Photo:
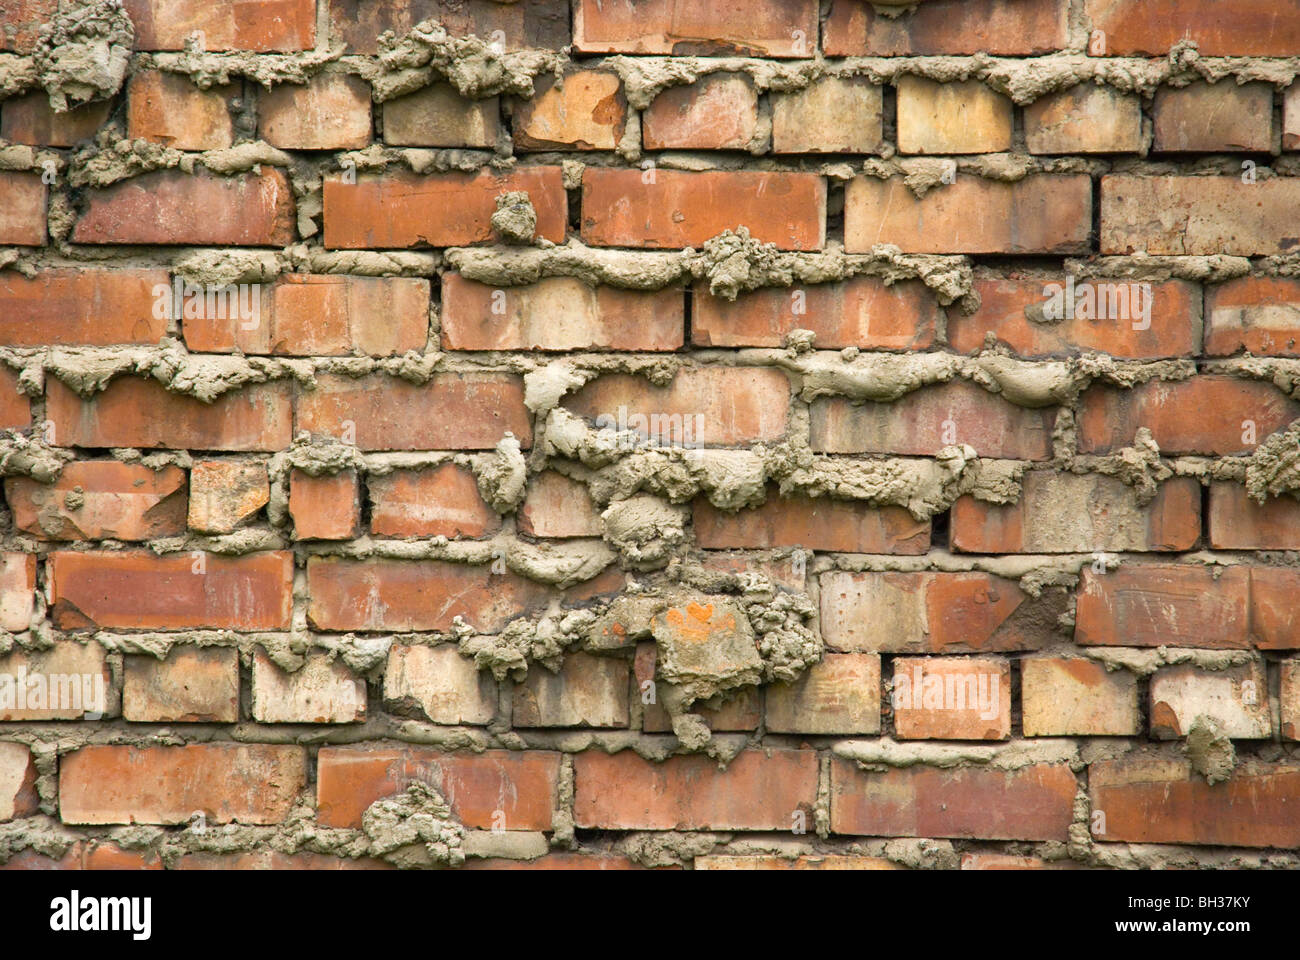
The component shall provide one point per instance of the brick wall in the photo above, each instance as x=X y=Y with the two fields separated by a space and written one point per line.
x=770 y=434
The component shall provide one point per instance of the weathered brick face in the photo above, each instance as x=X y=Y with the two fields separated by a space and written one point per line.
x=835 y=434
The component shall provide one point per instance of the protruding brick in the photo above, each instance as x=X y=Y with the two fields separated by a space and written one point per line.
x=22 y=219
x=225 y=494
x=559 y=313
x=759 y=790
x=588 y=691
x=30 y=119
x=1289 y=698
x=962 y=117
x=1073 y=513
x=168 y=108
x=329 y=112
x=438 y=116
x=257 y=25
x=1087 y=118
x=83 y=307
x=587 y=111
x=227 y=782
x=1236 y=697
x=193 y=685
x=100 y=500
x=676 y=208
x=761 y=28
x=855 y=28
x=1219 y=28
x=838 y=695
x=327 y=507
x=1238 y=522
x=819 y=523
x=556 y=506
x=1203 y=117
x=321 y=691
x=68 y=681
x=18 y=796
x=17 y=590
x=1258 y=314
x=1291 y=118
x=1164 y=604
x=830 y=115
x=952 y=698
x=717 y=112
x=1073 y=697
x=445 y=686
x=1274 y=617
x=441 y=501
x=1039 y=214
x=138 y=590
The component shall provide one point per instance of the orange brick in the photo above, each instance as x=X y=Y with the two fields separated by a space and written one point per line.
x=15 y=407
x=586 y=111
x=442 y=685
x=1040 y=214
x=440 y=210
x=138 y=590
x=1235 y=697
x=31 y=119
x=1274 y=618
x=438 y=116
x=1107 y=316
x=559 y=313
x=1219 y=28
x=1069 y=513
x=862 y=312
x=1035 y=802
x=22 y=220
x=68 y=681
x=759 y=790
x=83 y=307
x=168 y=108
x=952 y=698
x=840 y=694
x=193 y=685
x=17 y=589
x=588 y=691
x=556 y=506
x=133 y=412
x=925 y=421
x=717 y=112
x=814 y=524
x=101 y=500
x=708 y=406
x=329 y=112
x=675 y=208
x=855 y=28
x=441 y=501
x=244 y=783
x=1073 y=697
x=1236 y=522
x=259 y=25
x=1259 y=314
x=327 y=507
x=1198 y=215
x=321 y=691
x=225 y=494
x=763 y=28
x=1201 y=117
x=518 y=25
x=830 y=115
x=18 y=796
x=386 y=413
x=965 y=117
x=1159 y=604
x=1232 y=416
x=1087 y=118
x=500 y=789
x=21 y=20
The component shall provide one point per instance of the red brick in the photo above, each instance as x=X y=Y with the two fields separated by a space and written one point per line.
x=587 y=111
x=168 y=108
x=17 y=589
x=202 y=208
x=1205 y=118
x=225 y=494
x=517 y=25
x=763 y=28
x=440 y=684
x=1215 y=415
x=101 y=500
x=30 y=119
x=759 y=790
x=131 y=412
x=244 y=783
x=1237 y=522
x=138 y=590
x=588 y=691
x=830 y=115
x=496 y=788
x=717 y=112
x=740 y=710
x=1087 y=118
x=1107 y=318
x=556 y=506
x=1236 y=698
x=1073 y=697
x=1219 y=28
x=438 y=116
x=327 y=507
x=22 y=220
x=559 y=313
x=320 y=691
x=1035 y=802
x=675 y=208
x=838 y=695
x=1069 y=513
x=475 y=410
x=439 y=210
x=193 y=685
x=330 y=112
x=713 y=406
x=862 y=312
x=15 y=407
x=1258 y=314
x=1040 y=214
x=21 y=20
x=952 y=698
x=925 y=612
x=812 y=523
x=1198 y=215
x=441 y=501
x=18 y=796
x=956 y=117
x=67 y=681
x=1158 y=604
x=90 y=307
x=855 y=28
x=1155 y=798
x=260 y=25
x=925 y=421
x=1274 y=617
x=415 y=595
